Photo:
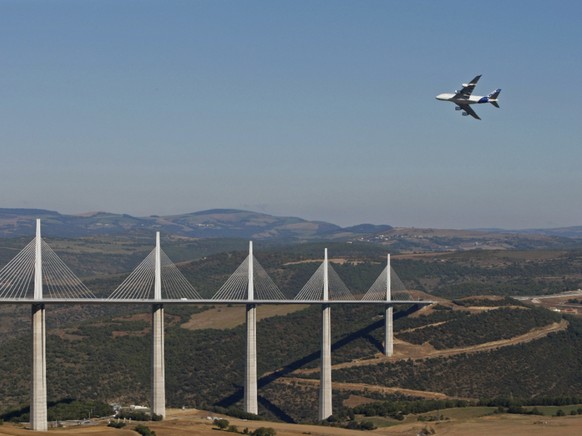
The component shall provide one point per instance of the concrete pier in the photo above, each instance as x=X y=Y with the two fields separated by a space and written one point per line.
x=389 y=332
x=158 y=366
x=250 y=400
x=250 y=388
x=38 y=406
x=158 y=402
x=325 y=403
x=388 y=315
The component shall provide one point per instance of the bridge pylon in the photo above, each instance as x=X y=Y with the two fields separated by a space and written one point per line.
x=388 y=316
x=325 y=391
x=381 y=290
x=158 y=406
x=325 y=285
x=250 y=388
x=248 y=283
x=38 y=405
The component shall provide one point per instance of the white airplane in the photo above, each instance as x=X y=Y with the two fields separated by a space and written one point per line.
x=463 y=98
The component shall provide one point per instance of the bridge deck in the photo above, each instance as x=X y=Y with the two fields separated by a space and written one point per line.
x=203 y=301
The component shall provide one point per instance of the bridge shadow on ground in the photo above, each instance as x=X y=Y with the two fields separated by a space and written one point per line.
x=365 y=333
x=24 y=412
x=275 y=410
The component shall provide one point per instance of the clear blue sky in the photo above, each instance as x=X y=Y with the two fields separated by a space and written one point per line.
x=318 y=109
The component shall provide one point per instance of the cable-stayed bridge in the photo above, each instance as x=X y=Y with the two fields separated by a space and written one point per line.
x=37 y=276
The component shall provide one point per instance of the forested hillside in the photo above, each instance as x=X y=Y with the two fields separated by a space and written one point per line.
x=547 y=367
x=108 y=359
x=102 y=352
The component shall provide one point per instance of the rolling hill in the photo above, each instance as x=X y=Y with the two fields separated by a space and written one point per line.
x=216 y=223
x=240 y=224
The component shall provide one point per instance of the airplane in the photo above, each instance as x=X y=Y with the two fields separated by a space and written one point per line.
x=463 y=98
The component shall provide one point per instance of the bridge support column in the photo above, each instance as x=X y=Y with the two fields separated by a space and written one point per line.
x=388 y=315
x=158 y=405
x=250 y=400
x=325 y=407
x=38 y=407
x=389 y=332
x=158 y=366
x=325 y=403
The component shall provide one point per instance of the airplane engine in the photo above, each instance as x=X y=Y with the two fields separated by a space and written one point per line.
x=465 y=114
x=458 y=108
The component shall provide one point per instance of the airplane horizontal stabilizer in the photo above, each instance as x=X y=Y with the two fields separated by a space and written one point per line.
x=494 y=103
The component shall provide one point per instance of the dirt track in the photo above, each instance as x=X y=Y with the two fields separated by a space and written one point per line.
x=365 y=387
x=417 y=352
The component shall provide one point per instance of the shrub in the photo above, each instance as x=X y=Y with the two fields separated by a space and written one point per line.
x=116 y=424
x=144 y=430
x=264 y=431
x=221 y=423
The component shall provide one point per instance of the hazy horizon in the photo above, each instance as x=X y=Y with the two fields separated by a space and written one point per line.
x=321 y=110
x=149 y=215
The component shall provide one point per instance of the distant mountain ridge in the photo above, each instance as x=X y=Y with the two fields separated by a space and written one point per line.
x=214 y=223
x=234 y=223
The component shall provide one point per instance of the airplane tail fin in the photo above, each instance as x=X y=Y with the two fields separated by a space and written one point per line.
x=493 y=98
x=494 y=94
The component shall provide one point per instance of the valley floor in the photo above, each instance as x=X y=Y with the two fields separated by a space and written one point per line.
x=195 y=422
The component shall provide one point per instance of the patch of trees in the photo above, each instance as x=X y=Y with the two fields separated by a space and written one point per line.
x=224 y=424
x=547 y=367
x=349 y=422
x=491 y=302
x=399 y=409
x=463 y=274
x=518 y=410
x=526 y=402
x=482 y=327
x=67 y=409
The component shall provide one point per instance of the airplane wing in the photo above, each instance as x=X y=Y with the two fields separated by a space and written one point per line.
x=469 y=110
x=468 y=87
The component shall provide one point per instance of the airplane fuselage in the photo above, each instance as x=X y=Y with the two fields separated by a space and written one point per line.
x=455 y=98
